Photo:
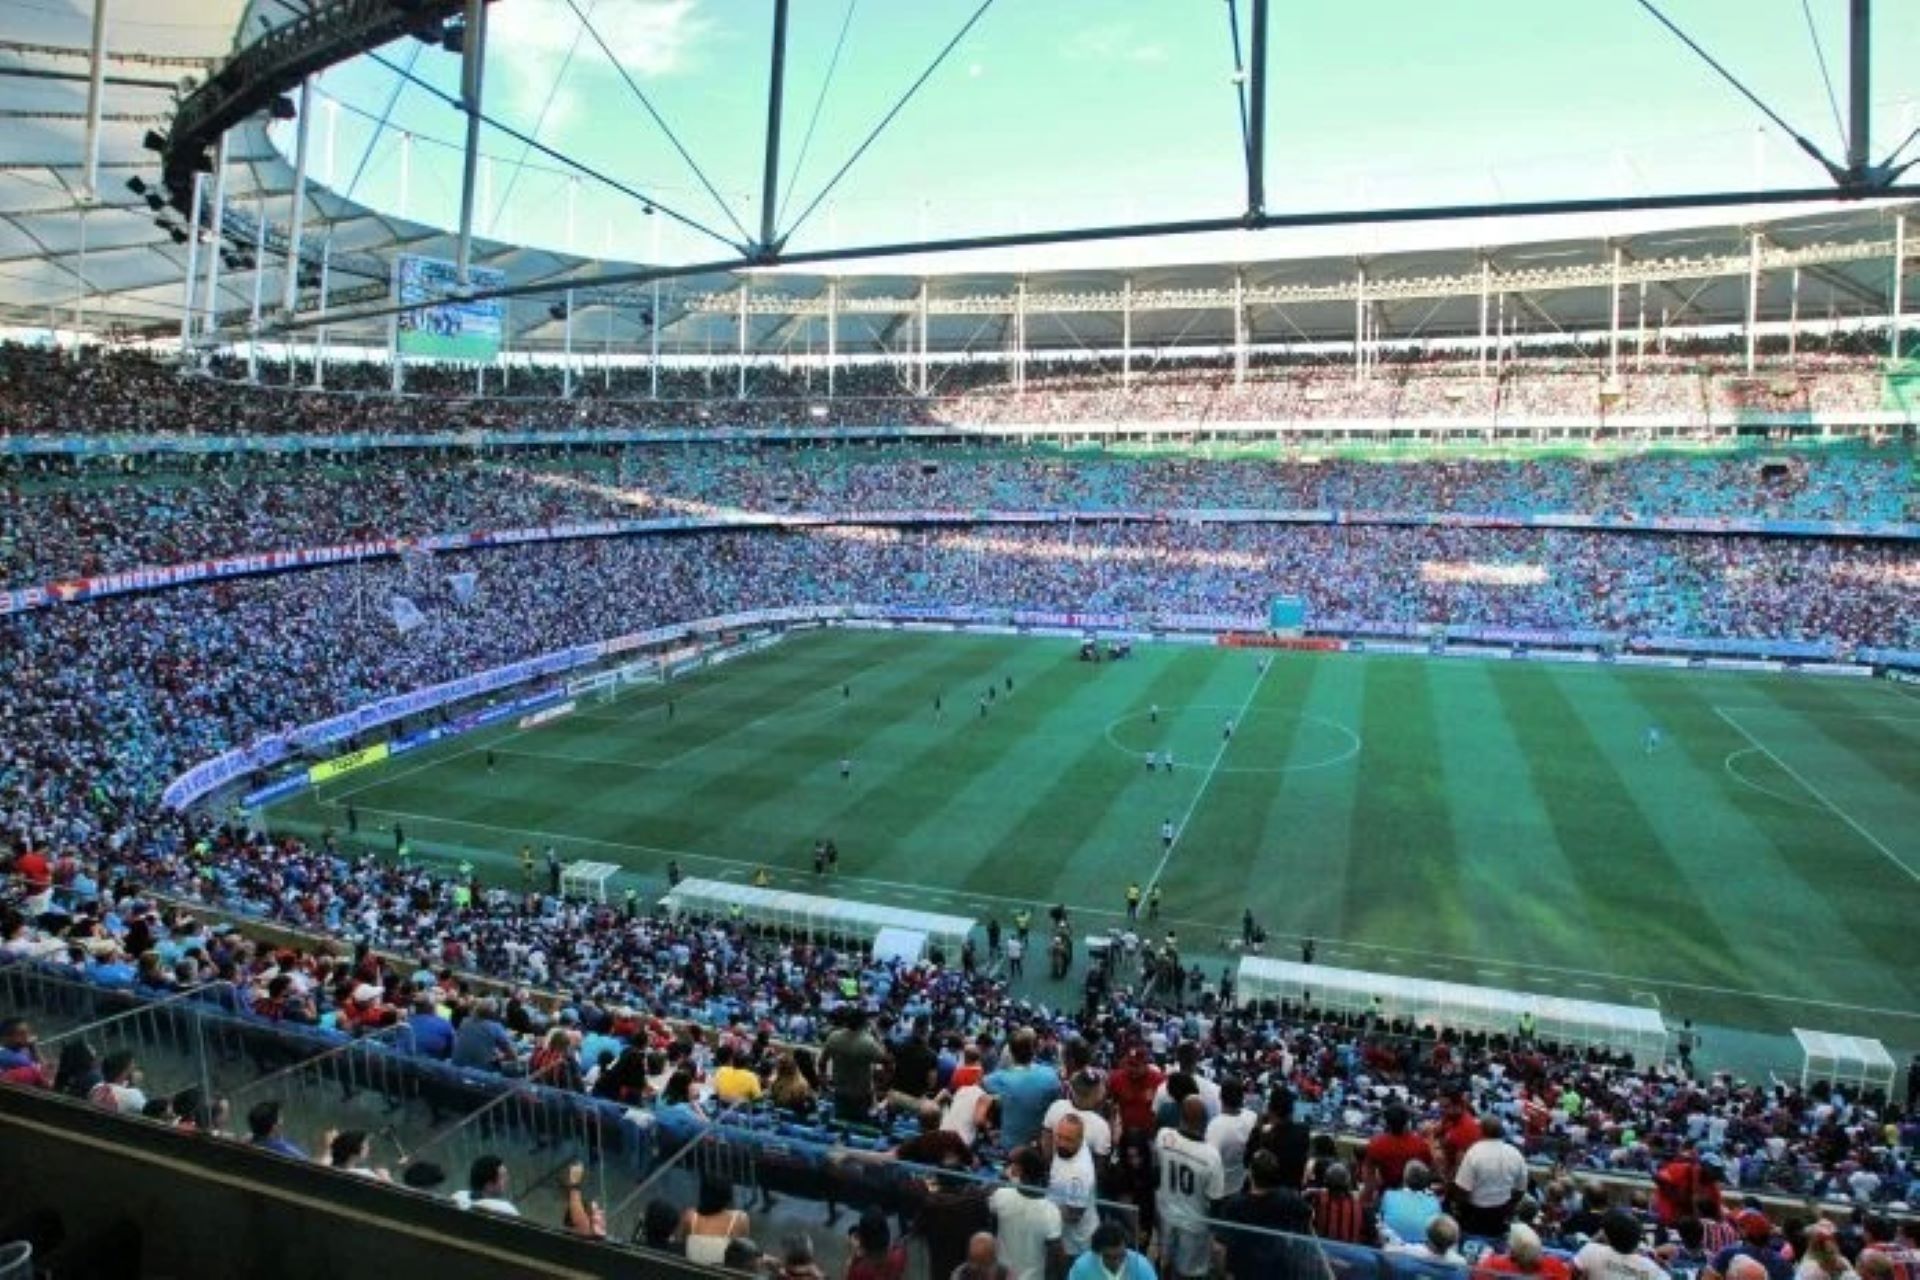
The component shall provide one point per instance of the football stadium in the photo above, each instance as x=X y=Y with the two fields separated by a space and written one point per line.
x=1007 y=641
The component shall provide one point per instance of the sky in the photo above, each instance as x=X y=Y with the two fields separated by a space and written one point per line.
x=1057 y=113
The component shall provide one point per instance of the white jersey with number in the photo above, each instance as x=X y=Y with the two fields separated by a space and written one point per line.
x=1191 y=1176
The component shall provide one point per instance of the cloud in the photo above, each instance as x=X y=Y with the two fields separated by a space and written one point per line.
x=1114 y=42
x=650 y=39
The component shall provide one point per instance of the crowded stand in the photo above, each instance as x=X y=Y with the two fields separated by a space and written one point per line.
x=45 y=391
x=1448 y=1150
x=94 y=519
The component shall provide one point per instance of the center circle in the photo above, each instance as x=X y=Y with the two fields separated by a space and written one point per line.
x=1187 y=728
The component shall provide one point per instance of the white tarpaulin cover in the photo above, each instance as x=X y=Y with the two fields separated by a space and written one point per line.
x=1634 y=1028
x=816 y=914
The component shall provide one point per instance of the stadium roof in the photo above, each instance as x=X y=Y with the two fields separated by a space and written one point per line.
x=116 y=265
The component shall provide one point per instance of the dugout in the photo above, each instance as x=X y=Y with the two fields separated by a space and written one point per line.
x=1457 y=1006
x=815 y=915
x=1854 y=1061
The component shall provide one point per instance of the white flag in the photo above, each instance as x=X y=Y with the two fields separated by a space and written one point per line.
x=463 y=585
x=406 y=614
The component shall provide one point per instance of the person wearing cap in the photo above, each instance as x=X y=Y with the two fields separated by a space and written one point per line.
x=1756 y=1242
x=1615 y=1253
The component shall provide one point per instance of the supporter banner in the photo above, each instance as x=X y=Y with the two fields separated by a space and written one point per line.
x=442 y=325
x=275 y=791
x=360 y=759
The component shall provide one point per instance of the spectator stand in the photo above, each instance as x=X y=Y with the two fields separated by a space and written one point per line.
x=587 y=880
x=1632 y=1029
x=812 y=915
x=1845 y=1060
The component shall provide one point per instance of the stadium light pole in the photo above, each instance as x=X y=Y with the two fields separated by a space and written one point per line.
x=290 y=288
x=96 y=88
x=776 y=93
x=1257 y=109
x=472 y=69
x=1859 y=87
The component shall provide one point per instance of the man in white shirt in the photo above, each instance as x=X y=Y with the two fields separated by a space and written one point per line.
x=1190 y=1180
x=1070 y=1186
x=1085 y=1094
x=1026 y=1223
x=1490 y=1181
x=1228 y=1132
x=967 y=1109
x=487 y=1188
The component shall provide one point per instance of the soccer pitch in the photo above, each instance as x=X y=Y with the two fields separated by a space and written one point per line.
x=1487 y=821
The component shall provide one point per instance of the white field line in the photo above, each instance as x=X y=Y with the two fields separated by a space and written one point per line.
x=1819 y=795
x=1226 y=741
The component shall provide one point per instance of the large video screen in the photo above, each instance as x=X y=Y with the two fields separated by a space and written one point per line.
x=447 y=327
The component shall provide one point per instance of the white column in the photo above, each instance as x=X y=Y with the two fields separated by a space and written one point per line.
x=1793 y=316
x=1486 y=282
x=1753 y=294
x=290 y=290
x=653 y=347
x=924 y=312
x=1126 y=334
x=193 y=264
x=210 y=304
x=1640 y=330
x=1613 y=320
x=566 y=361
x=1899 y=280
x=259 y=282
x=1359 y=324
x=740 y=392
x=833 y=332
x=96 y=87
x=473 y=64
x=320 y=334
x=1239 y=329
x=1020 y=338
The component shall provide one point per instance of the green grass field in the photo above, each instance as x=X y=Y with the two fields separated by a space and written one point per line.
x=1485 y=821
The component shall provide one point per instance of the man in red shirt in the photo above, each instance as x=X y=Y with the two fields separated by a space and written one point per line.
x=1132 y=1089
x=1457 y=1129
x=1683 y=1183
x=32 y=867
x=1384 y=1162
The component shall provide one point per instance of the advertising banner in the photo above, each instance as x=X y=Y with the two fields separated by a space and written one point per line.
x=360 y=759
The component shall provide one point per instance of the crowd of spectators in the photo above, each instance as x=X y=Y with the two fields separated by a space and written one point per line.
x=106 y=702
x=89 y=391
x=57 y=523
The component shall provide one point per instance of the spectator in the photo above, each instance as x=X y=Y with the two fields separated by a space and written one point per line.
x=1406 y=1210
x=1112 y=1257
x=708 y=1227
x=1491 y=1179
x=983 y=1260
x=486 y=1188
x=1027 y=1225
